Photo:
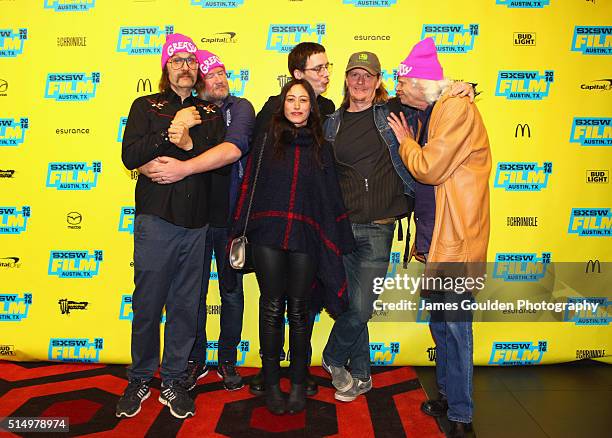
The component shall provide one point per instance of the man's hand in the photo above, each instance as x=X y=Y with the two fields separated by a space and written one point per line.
x=178 y=133
x=166 y=170
x=189 y=116
x=462 y=89
x=148 y=169
x=400 y=127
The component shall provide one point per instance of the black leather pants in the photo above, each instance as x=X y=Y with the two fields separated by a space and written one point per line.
x=284 y=277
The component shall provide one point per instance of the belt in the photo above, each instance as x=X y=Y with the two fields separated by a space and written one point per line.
x=386 y=221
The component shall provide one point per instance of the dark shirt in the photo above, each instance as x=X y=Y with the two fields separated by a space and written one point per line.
x=425 y=196
x=184 y=203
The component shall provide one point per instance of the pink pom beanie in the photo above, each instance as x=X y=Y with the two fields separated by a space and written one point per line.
x=422 y=62
x=176 y=43
x=208 y=61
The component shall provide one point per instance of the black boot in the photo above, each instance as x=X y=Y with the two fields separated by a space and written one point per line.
x=275 y=400
x=256 y=385
x=297 y=399
x=435 y=407
x=310 y=385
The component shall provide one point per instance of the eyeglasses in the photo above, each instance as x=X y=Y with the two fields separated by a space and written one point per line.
x=319 y=68
x=177 y=63
x=357 y=77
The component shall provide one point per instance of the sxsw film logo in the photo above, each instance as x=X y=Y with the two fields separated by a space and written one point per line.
x=592 y=40
x=597 y=176
x=14 y=220
x=394 y=262
x=75 y=349
x=69 y=5
x=237 y=81
x=451 y=38
x=142 y=40
x=75 y=264
x=212 y=352
x=517 y=353
x=126 y=220
x=514 y=266
x=73 y=176
x=596 y=85
x=370 y=3
x=592 y=131
x=12 y=131
x=591 y=222
x=524 y=85
x=13 y=307
x=217 y=4
x=382 y=354
x=122 y=123
x=284 y=37
x=524 y=39
x=71 y=86
x=389 y=78
x=601 y=315
x=126 y=313
x=11 y=42
x=522 y=177
x=533 y=4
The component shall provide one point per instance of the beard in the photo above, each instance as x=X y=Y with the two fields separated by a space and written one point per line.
x=216 y=94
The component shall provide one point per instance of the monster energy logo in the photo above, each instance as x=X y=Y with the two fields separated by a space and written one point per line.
x=66 y=306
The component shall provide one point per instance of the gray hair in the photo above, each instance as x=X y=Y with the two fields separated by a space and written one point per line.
x=431 y=89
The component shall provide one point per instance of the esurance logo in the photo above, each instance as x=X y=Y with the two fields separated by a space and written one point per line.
x=212 y=352
x=591 y=222
x=12 y=131
x=13 y=307
x=11 y=42
x=524 y=85
x=73 y=176
x=601 y=315
x=514 y=266
x=383 y=354
x=121 y=130
x=592 y=40
x=533 y=4
x=517 y=353
x=75 y=349
x=14 y=220
x=142 y=40
x=592 y=131
x=451 y=38
x=126 y=313
x=370 y=3
x=69 y=5
x=126 y=220
x=522 y=177
x=217 y=4
x=71 y=86
x=284 y=37
x=237 y=81
x=75 y=264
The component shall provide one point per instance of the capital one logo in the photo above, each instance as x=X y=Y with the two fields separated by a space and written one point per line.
x=592 y=40
x=451 y=38
x=284 y=37
x=12 y=41
x=14 y=220
x=70 y=5
x=12 y=131
x=71 y=86
x=142 y=40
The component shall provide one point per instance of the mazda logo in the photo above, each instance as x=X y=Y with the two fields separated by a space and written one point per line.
x=3 y=86
x=74 y=218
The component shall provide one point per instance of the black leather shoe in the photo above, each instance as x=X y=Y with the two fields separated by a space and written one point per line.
x=275 y=400
x=460 y=430
x=257 y=386
x=310 y=386
x=435 y=407
x=297 y=399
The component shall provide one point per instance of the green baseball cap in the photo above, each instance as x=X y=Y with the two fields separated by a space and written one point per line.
x=365 y=60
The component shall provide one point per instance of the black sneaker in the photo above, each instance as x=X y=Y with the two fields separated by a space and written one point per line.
x=136 y=392
x=195 y=371
x=232 y=380
x=174 y=395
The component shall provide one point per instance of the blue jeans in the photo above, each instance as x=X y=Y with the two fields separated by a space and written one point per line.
x=232 y=303
x=349 y=340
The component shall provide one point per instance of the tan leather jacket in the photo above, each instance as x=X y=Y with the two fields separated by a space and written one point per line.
x=457 y=160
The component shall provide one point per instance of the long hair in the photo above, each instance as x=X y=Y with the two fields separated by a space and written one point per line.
x=284 y=131
x=381 y=95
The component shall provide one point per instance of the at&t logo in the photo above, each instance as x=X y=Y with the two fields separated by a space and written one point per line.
x=71 y=86
x=75 y=349
x=524 y=85
x=11 y=42
x=12 y=131
x=14 y=220
x=73 y=176
x=284 y=37
x=383 y=354
x=522 y=177
x=75 y=264
x=142 y=40
x=70 y=5
x=451 y=38
x=13 y=307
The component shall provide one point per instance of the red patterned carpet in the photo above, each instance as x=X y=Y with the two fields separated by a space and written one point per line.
x=87 y=395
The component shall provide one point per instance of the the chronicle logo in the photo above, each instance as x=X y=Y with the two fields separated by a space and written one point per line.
x=524 y=39
x=7 y=173
x=143 y=85
x=14 y=220
x=122 y=123
x=522 y=177
x=370 y=3
x=75 y=349
x=75 y=264
x=10 y=262
x=71 y=86
x=70 y=5
x=592 y=40
x=524 y=85
x=237 y=81
x=598 y=85
x=13 y=307
x=383 y=354
x=592 y=131
x=590 y=222
x=597 y=176
x=142 y=40
x=522 y=221
x=66 y=305
x=513 y=266
x=12 y=131
x=3 y=87
x=517 y=353
x=600 y=313
x=72 y=41
x=220 y=37
x=74 y=219
x=73 y=176
x=217 y=4
x=212 y=352
x=451 y=38
x=12 y=41
x=532 y=4
x=284 y=37
x=126 y=220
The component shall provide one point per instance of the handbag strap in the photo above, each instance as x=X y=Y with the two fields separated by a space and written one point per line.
x=248 y=214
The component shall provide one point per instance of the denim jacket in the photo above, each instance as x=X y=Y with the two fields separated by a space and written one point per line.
x=381 y=112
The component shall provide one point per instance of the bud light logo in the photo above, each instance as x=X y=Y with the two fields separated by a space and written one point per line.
x=522 y=177
x=524 y=85
x=451 y=38
x=71 y=86
x=70 y=5
x=592 y=40
x=126 y=220
x=600 y=315
x=143 y=40
x=11 y=42
x=370 y=3
x=126 y=313
x=284 y=37
x=217 y=4
x=75 y=264
x=517 y=353
x=389 y=78
x=514 y=266
x=592 y=131
x=73 y=176
x=75 y=349
x=533 y=4
x=121 y=130
x=14 y=220
x=383 y=354
x=13 y=307
x=12 y=131
x=212 y=352
x=591 y=222
x=237 y=81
